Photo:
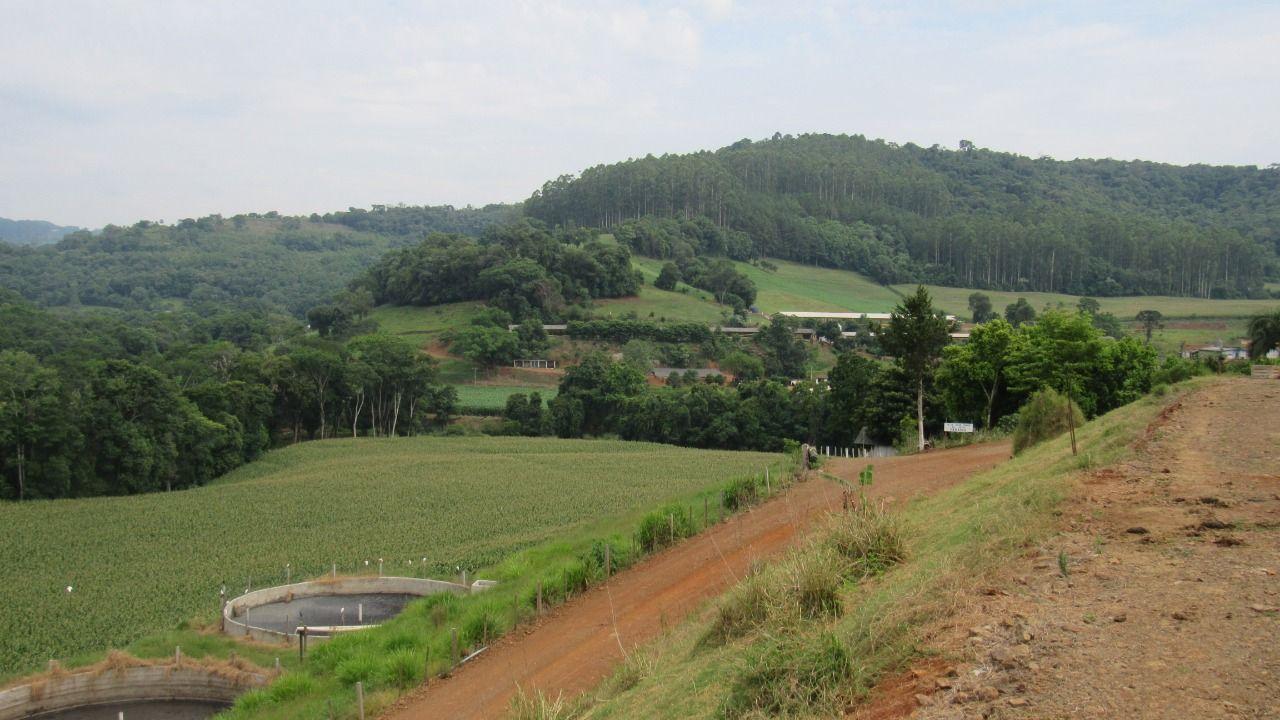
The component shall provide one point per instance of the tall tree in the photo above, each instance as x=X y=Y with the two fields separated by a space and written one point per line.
x=1264 y=334
x=1062 y=351
x=784 y=354
x=1019 y=312
x=979 y=363
x=980 y=307
x=915 y=336
x=1150 y=321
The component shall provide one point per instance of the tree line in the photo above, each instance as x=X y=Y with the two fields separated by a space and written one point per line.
x=898 y=399
x=974 y=217
x=102 y=404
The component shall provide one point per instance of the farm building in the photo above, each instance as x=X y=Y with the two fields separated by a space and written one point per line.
x=534 y=364
x=830 y=315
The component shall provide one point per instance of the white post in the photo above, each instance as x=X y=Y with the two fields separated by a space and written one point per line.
x=360 y=698
x=335 y=571
x=360 y=611
x=379 y=567
x=342 y=616
x=288 y=573
x=464 y=580
x=177 y=654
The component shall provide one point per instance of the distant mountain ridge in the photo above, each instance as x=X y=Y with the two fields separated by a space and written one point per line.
x=967 y=218
x=33 y=232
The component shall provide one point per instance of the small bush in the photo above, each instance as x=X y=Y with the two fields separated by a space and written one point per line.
x=1159 y=390
x=403 y=668
x=478 y=629
x=740 y=492
x=790 y=675
x=291 y=686
x=869 y=539
x=656 y=528
x=357 y=668
x=1007 y=423
x=1043 y=417
x=540 y=706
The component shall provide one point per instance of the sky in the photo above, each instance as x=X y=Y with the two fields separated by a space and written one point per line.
x=113 y=112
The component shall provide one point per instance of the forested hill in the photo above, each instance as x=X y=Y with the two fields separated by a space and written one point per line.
x=972 y=217
x=290 y=264
x=32 y=232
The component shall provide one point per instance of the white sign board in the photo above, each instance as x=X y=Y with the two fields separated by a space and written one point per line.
x=957 y=427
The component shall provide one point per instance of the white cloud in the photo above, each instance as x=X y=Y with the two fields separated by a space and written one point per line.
x=111 y=112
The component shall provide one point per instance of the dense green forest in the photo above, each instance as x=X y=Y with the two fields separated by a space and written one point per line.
x=98 y=402
x=290 y=263
x=519 y=267
x=971 y=218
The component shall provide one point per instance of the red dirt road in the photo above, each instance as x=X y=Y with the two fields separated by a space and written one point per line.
x=576 y=646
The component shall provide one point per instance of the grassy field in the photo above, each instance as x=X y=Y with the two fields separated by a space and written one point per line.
x=1176 y=332
x=956 y=300
x=804 y=287
x=798 y=666
x=146 y=564
x=496 y=395
x=413 y=320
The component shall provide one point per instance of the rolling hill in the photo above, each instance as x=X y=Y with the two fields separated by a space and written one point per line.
x=972 y=218
x=32 y=232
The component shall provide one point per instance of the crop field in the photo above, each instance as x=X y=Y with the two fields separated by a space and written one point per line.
x=145 y=564
x=956 y=301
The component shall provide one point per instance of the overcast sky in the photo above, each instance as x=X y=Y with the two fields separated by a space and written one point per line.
x=111 y=112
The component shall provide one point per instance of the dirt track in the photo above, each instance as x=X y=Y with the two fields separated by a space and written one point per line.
x=575 y=647
x=1171 y=608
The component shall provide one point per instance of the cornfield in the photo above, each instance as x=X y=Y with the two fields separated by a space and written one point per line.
x=83 y=575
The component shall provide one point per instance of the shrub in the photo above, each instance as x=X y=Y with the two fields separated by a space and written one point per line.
x=869 y=539
x=1043 y=417
x=1175 y=370
x=740 y=492
x=402 y=668
x=479 y=628
x=663 y=527
x=357 y=668
x=789 y=675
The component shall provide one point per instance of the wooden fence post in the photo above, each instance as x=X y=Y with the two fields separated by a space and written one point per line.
x=539 y=597
x=360 y=698
x=608 y=560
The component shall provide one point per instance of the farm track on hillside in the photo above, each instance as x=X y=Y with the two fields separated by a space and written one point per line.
x=574 y=647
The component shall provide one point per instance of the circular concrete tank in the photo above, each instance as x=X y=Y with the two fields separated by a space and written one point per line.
x=327 y=607
x=185 y=690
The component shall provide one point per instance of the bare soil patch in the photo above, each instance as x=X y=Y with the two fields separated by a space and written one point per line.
x=1170 y=607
